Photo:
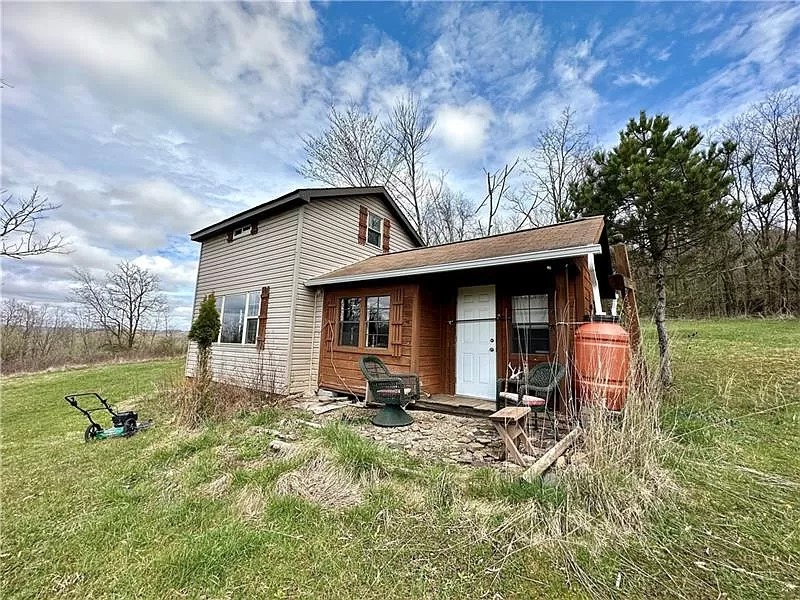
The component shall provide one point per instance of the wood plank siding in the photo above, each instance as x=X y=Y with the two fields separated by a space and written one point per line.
x=246 y=264
x=429 y=328
x=329 y=240
x=338 y=365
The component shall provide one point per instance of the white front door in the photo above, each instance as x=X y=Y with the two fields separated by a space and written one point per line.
x=476 y=334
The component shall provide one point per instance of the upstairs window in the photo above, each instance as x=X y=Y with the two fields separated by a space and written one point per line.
x=241 y=231
x=239 y=317
x=374 y=230
x=349 y=321
x=530 y=324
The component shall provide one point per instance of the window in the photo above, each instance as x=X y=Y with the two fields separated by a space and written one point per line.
x=377 y=322
x=530 y=331
x=239 y=317
x=243 y=230
x=349 y=321
x=374 y=230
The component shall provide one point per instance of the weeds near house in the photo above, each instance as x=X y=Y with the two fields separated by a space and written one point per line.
x=217 y=401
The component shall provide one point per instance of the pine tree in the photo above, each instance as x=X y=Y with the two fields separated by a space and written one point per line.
x=665 y=194
x=204 y=332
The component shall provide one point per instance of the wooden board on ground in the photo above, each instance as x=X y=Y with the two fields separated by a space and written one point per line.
x=549 y=457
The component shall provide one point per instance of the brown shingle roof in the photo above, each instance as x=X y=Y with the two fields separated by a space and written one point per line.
x=576 y=234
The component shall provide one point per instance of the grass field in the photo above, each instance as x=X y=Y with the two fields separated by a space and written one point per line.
x=171 y=513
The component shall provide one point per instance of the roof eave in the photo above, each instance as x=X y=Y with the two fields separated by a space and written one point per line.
x=252 y=213
x=537 y=256
x=306 y=195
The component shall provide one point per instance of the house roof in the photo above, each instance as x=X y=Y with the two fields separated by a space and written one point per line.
x=572 y=238
x=306 y=195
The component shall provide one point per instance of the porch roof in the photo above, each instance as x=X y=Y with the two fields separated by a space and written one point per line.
x=563 y=240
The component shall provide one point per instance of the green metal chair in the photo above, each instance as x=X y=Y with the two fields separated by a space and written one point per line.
x=392 y=390
x=539 y=391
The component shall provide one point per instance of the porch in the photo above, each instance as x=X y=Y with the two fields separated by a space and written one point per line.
x=460 y=332
x=463 y=316
x=456 y=405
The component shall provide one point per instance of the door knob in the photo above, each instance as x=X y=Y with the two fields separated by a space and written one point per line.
x=491 y=349
x=491 y=340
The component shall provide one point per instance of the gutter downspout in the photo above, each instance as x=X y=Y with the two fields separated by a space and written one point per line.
x=598 y=306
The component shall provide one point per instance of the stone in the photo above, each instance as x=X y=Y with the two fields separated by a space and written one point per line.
x=561 y=462
x=465 y=458
x=484 y=440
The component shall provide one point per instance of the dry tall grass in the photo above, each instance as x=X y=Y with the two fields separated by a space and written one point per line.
x=614 y=485
x=194 y=402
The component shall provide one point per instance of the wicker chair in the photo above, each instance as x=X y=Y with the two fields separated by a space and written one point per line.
x=392 y=390
x=539 y=391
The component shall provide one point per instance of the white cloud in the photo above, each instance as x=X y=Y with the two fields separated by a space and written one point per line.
x=763 y=56
x=463 y=129
x=171 y=274
x=636 y=78
x=492 y=48
x=221 y=65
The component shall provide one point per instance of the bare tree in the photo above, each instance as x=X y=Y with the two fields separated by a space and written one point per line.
x=18 y=222
x=409 y=131
x=766 y=170
x=778 y=126
x=450 y=217
x=122 y=302
x=354 y=150
x=497 y=188
x=557 y=161
x=358 y=149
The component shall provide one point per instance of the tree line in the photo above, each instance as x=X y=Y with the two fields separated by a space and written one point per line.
x=748 y=263
x=120 y=313
x=711 y=220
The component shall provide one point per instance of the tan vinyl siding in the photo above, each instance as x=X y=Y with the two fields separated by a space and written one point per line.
x=329 y=241
x=246 y=264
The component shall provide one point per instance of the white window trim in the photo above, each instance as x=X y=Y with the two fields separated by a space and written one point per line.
x=367 y=320
x=535 y=324
x=379 y=230
x=241 y=342
x=242 y=231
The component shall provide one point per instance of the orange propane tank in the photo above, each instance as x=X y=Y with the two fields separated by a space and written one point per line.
x=602 y=360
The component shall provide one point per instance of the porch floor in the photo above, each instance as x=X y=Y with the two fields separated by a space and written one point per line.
x=456 y=405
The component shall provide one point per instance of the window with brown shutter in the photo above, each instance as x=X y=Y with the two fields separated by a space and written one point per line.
x=363 y=213
x=387 y=225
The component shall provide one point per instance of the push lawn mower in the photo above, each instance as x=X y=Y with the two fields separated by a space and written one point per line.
x=124 y=423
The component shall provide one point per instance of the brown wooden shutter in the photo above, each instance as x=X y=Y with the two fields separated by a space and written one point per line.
x=261 y=338
x=362 y=225
x=329 y=323
x=396 y=322
x=387 y=226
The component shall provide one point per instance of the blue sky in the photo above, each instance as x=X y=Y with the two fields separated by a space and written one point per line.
x=146 y=122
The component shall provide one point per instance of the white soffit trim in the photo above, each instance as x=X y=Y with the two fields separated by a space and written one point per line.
x=478 y=263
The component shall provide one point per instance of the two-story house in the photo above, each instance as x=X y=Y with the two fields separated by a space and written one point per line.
x=281 y=245
x=310 y=281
